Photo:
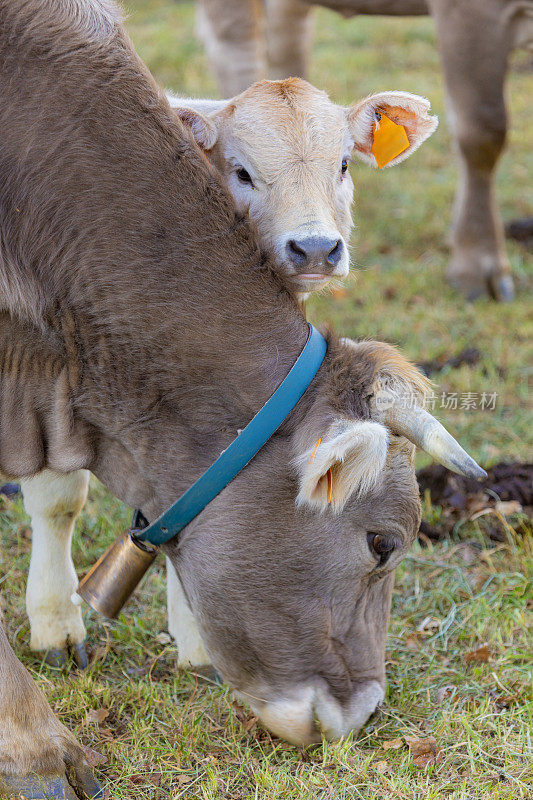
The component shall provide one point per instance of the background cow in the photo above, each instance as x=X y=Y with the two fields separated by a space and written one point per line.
x=246 y=39
x=108 y=364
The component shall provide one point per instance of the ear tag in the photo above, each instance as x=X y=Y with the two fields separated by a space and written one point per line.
x=390 y=140
x=313 y=454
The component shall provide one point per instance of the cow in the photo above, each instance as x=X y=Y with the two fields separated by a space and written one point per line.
x=246 y=39
x=282 y=149
x=124 y=353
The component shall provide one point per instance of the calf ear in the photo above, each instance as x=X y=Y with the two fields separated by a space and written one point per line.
x=347 y=461
x=389 y=126
x=202 y=128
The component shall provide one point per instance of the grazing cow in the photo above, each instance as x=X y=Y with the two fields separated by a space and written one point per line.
x=476 y=38
x=282 y=149
x=124 y=353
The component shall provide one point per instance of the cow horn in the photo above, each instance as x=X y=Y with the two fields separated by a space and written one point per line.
x=426 y=432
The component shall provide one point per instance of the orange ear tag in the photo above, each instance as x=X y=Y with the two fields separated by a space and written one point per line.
x=313 y=454
x=330 y=484
x=390 y=140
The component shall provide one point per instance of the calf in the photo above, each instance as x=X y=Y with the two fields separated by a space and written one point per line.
x=246 y=40
x=107 y=364
x=283 y=149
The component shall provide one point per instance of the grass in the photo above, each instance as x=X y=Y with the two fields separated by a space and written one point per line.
x=168 y=735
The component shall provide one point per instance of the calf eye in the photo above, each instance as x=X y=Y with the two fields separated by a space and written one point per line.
x=381 y=546
x=244 y=176
x=344 y=165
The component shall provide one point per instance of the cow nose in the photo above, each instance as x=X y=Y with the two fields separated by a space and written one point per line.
x=320 y=253
x=312 y=712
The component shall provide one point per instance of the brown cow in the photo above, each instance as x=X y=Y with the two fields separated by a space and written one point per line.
x=476 y=38
x=124 y=353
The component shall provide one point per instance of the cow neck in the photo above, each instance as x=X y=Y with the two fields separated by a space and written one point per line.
x=112 y=219
x=242 y=449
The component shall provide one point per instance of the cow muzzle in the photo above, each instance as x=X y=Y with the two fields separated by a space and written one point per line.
x=311 y=713
x=311 y=258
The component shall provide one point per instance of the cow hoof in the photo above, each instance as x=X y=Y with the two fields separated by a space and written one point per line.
x=56 y=657
x=59 y=657
x=79 y=653
x=502 y=288
x=10 y=489
x=58 y=787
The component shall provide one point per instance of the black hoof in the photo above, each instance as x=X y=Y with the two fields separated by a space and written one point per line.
x=56 y=657
x=503 y=289
x=10 y=489
x=34 y=787
x=79 y=654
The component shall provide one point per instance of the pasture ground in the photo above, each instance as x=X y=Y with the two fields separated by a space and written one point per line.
x=169 y=735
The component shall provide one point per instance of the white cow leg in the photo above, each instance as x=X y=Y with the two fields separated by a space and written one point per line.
x=182 y=625
x=53 y=502
x=475 y=69
x=232 y=34
x=289 y=34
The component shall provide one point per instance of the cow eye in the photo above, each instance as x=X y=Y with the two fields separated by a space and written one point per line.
x=344 y=165
x=381 y=546
x=244 y=176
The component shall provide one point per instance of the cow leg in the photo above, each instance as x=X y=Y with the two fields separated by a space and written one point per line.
x=232 y=33
x=182 y=625
x=38 y=756
x=289 y=37
x=474 y=50
x=53 y=502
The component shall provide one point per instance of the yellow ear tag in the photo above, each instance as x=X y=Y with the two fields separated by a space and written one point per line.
x=330 y=484
x=390 y=140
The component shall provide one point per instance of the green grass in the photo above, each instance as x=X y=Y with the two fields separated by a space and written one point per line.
x=169 y=735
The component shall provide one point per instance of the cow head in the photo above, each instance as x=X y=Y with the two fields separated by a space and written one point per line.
x=284 y=149
x=290 y=577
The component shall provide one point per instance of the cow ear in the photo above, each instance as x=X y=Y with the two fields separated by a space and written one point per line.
x=203 y=129
x=389 y=126
x=348 y=460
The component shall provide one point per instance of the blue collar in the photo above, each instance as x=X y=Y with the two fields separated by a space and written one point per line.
x=243 y=448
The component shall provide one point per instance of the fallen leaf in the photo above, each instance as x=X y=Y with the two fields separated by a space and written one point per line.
x=392 y=744
x=250 y=723
x=163 y=638
x=443 y=693
x=97 y=715
x=424 y=752
x=382 y=766
x=93 y=757
x=481 y=655
x=183 y=779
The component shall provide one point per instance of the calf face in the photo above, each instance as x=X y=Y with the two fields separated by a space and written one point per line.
x=283 y=149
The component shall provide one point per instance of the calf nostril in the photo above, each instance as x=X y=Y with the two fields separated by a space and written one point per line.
x=296 y=254
x=334 y=255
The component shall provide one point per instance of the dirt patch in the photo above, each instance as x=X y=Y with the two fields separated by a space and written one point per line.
x=506 y=491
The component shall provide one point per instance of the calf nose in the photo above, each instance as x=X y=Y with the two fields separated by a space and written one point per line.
x=316 y=253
